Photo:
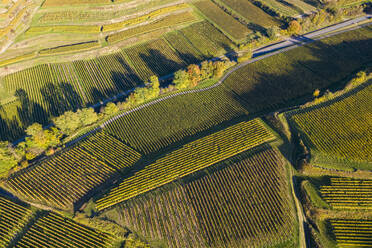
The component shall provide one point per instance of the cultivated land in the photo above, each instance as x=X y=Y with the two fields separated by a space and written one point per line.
x=201 y=123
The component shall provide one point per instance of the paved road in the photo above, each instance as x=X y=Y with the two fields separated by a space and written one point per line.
x=258 y=54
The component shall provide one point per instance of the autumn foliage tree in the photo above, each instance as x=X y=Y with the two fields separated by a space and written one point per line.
x=294 y=27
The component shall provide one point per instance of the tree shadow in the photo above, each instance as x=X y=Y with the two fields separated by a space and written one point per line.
x=159 y=64
x=60 y=98
x=268 y=85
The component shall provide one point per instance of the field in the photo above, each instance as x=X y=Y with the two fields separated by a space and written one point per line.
x=352 y=233
x=245 y=204
x=209 y=41
x=338 y=130
x=53 y=230
x=158 y=126
x=113 y=152
x=227 y=23
x=251 y=13
x=298 y=72
x=70 y=48
x=348 y=193
x=74 y=171
x=190 y=158
x=166 y=22
x=154 y=58
x=13 y=217
x=282 y=8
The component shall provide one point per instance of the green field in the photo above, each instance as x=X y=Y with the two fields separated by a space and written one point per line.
x=242 y=205
x=158 y=126
x=348 y=193
x=336 y=132
x=222 y=20
x=352 y=233
x=190 y=158
x=272 y=82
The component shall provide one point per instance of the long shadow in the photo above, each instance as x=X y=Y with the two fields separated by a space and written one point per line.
x=159 y=64
x=315 y=66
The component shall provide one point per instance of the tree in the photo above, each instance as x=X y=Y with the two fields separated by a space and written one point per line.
x=294 y=28
x=8 y=158
x=316 y=93
x=110 y=109
x=155 y=86
x=87 y=116
x=206 y=70
x=181 y=80
x=194 y=74
x=68 y=122
x=219 y=68
x=272 y=32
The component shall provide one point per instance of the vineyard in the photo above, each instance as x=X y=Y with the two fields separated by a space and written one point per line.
x=173 y=20
x=352 y=233
x=154 y=58
x=245 y=204
x=209 y=41
x=13 y=217
x=158 y=126
x=298 y=72
x=227 y=23
x=74 y=171
x=70 y=48
x=348 y=193
x=110 y=150
x=251 y=13
x=190 y=158
x=281 y=7
x=53 y=230
x=341 y=136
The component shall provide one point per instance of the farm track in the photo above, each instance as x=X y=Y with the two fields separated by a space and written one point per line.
x=258 y=54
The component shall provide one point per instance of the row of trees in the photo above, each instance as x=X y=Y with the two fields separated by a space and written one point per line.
x=44 y=141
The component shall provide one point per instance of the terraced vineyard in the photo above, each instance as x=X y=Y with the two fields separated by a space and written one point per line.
x=298 y=72
x=245 y=204
x=348 y=193
x=52 y=230
x=209 y=41
x=110 y=150
x=227 y=23
x=13 y=218
x=342 y=135
x=251 y=13
x=352 y=233
x=60 y=181
x=154 y=58
x=190 y=158
x=157 y=126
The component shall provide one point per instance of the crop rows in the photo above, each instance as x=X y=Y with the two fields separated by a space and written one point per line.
x=53 y=230
x=223 y=20
x=70 y=48
x=352 y=233
x=73 y=29
x=246 y=204
x=348 y=193
x=154 y=58
x=61 y=180
x=190 y=158
x=13 y=217
x=17 y=59
x=56 y=3
x=341 y=129
x=143 y=18
x=166 y=22
x=184 y=48
x=105 y=76
x=159 y=125
x=280 y=7
x=110 y=150
x=298 y=72
x=251 y=12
